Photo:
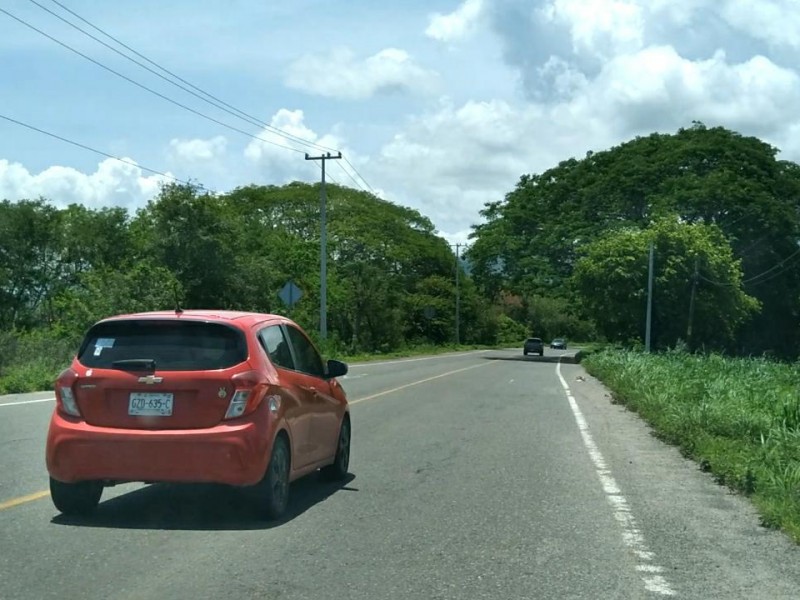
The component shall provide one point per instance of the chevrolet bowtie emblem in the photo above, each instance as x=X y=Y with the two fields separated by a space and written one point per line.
x=150 y=379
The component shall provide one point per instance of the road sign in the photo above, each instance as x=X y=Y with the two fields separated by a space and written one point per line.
x=290 y=294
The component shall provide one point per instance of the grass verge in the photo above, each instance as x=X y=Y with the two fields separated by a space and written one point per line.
x=738 y=418
x=37 y=362
x=426 y=350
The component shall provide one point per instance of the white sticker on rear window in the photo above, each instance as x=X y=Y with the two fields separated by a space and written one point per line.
x=98 y=350
x=104 y=343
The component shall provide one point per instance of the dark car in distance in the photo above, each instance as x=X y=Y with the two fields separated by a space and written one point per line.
x=533 y=346
x=559 y=344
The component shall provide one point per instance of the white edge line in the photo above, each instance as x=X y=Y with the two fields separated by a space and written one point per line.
x=27 y=402
x=631 y=535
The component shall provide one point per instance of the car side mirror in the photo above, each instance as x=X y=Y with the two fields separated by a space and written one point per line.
x=336 y=368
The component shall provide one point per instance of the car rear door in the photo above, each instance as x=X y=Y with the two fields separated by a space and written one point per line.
x=327 y=410
x=299 y=403
x=158 y=373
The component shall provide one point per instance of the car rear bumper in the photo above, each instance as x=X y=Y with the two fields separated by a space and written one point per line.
x=235 y=454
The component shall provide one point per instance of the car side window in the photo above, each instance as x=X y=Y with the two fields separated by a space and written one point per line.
x=277 y=347
x=308 y=359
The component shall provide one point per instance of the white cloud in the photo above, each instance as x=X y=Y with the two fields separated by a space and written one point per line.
x=774 y=21
x=274 y=162
x=456 y=25
x=450 y=162
x=197 y=150
x=343 y=75
x=657 y=88
x=601 y=27
x=113 y=184
x=594 y=73
x=464 y=156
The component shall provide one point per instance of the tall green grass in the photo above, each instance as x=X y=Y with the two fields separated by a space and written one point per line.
x=739 y=418
x=31 y=361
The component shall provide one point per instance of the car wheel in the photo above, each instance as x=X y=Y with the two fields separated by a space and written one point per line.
x=272 y=492
x=79 y=498
x=541 y=353
x=338 y=470
x=524 y=353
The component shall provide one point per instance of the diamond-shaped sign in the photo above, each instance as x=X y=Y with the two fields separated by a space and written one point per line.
x=290 y=294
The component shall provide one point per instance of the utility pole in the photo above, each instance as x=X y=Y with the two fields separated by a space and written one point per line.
x=323 y=247
x=649 y=301
x=691 y=300
x=458 y=293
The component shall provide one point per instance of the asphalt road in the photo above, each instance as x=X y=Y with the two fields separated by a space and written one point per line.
x=478 y=475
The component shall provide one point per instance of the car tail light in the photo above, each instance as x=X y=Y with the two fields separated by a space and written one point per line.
x=250 y=390
x=65 y=396
x=238 y=404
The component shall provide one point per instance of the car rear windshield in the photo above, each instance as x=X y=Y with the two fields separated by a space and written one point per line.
x=533 y=340
x=173 y=345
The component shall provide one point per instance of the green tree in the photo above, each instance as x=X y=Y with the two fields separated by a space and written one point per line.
x=187 y=232
x=100 y=293
x=30 y=261
x=611 y=282
x=530 y=241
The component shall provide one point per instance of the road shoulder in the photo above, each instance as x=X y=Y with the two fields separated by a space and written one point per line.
x=709 y=539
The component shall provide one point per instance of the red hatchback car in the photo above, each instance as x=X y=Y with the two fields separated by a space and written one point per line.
x=196 y=396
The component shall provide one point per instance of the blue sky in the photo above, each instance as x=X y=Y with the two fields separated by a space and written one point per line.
x=440 y=105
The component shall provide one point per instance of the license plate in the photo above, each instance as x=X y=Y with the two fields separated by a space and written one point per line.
x=148 y=404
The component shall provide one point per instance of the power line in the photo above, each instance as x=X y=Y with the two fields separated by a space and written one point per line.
x=360 y=176
x=247 y=118
x=780 y=264
x=328 y=175
x=216 y=102
x=144 y=87
x=350 y=175
x=761 y=277
x=101 y=153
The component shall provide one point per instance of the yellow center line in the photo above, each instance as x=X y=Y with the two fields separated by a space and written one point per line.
x=413 y=383
x=43 y=494
x=23 y=499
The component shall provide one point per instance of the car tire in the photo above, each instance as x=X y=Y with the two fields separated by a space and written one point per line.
x=541 y=353
x=524 y=353
x=338 y=470
x=272 y=492
x=79 y=498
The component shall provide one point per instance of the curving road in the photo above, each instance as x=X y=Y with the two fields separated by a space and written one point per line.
x=475 y=475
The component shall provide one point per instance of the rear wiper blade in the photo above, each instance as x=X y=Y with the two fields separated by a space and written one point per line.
x=135 y=364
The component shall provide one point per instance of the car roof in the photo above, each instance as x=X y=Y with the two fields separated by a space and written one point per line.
x=534 y=339
x=239 y=318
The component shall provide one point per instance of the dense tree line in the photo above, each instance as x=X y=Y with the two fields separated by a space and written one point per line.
x=565 y=253
x=722 y=211
x=391 y=279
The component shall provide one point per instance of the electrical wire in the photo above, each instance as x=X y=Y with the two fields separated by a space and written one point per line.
x=761 y=277
x=214 y=101
x=778 y=265
x=106 y=154
x=360 y=176
x=350 y=175
x=144 y=87
x=327 y=174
